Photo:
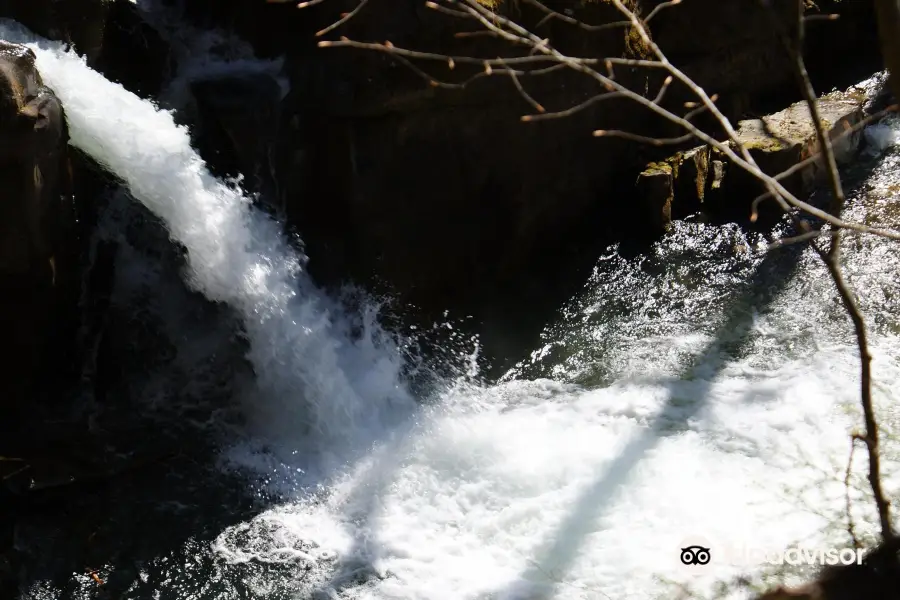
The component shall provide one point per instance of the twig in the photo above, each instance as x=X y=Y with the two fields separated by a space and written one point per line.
x=851 y=529
x=575 y=109
x=831 y=258
x=391 y=49
x=343 y=19
x=642 y=138
x=528 y=98
x=661 y=7
x=552 y=14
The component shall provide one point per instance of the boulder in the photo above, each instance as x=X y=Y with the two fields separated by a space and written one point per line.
x=236 y=124
x=133 y=53
x=703 y=179
x=36 y=216
x=80 y=22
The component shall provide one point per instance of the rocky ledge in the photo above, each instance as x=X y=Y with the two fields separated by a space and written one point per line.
x=704 y=180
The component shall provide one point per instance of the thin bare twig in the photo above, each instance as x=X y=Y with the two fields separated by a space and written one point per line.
x=831 y=258
x=528 y=98
x=343 y=19
x=661 y=7
x=575 y=109
x=652 y=141
x=851 y=528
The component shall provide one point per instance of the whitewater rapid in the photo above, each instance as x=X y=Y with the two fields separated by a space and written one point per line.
x=530 y=488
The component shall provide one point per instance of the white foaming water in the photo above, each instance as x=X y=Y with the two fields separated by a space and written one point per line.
x=525 y=490
x=314 y=379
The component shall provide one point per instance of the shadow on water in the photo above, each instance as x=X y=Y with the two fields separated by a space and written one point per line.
x=560 y=550
x=729 y=341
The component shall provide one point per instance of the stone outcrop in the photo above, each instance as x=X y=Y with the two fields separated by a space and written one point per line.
x=80 y=22
x=36 y=212
x=703 y=178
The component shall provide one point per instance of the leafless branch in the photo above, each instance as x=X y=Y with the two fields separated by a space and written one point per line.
x=575 y=109
x=831 y=258
x=652 y=141
x=661 y=7
x=552 y=14
x=343 y=19
x=534 y=103
x=851 y=529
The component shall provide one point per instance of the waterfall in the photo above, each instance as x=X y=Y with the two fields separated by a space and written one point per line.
x=705 y=391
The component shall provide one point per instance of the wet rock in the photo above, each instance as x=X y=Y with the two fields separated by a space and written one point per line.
x=237 y=125
x=781 y=141
x=133 y=53
x=703 y=178
x=655 y=190
x=37 y=269
x=80 y=22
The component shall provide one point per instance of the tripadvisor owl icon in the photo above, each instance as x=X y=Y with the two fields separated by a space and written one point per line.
x=695 y=555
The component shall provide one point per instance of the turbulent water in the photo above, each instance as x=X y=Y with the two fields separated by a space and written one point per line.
x=704 y=390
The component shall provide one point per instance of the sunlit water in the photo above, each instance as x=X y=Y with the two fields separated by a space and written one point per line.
x=705 y=390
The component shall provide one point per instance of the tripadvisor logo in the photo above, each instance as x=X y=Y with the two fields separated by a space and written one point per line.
x=697 y=552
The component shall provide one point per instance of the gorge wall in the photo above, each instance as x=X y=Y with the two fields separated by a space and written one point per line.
x=443 y=196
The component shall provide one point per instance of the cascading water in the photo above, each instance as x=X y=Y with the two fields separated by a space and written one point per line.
x=704 y=390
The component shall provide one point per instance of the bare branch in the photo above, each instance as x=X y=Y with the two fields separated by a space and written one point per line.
x=534 y=103
x=515 y=33
x=552 y=14
x=851 y=529
x=798 y=239
x=446 y=11
x=661 y=7
x=652 y=141
x=391 y=49
x=662 y=90
x=343 y=19
x=575 y=109
x=831 y=259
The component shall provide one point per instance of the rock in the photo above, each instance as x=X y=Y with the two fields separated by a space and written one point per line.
x=35 y=216
x=80 y=22
x=703 y=179
x=133 y=53
x=655 y=191
x=237 y=121
x=777 y=143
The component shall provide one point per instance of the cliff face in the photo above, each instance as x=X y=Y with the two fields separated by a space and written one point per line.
x=443 y=195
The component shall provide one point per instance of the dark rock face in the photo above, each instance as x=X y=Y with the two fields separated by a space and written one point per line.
x=236 y=124
x=444 y=195
x=80 y=22
x=35 y=213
